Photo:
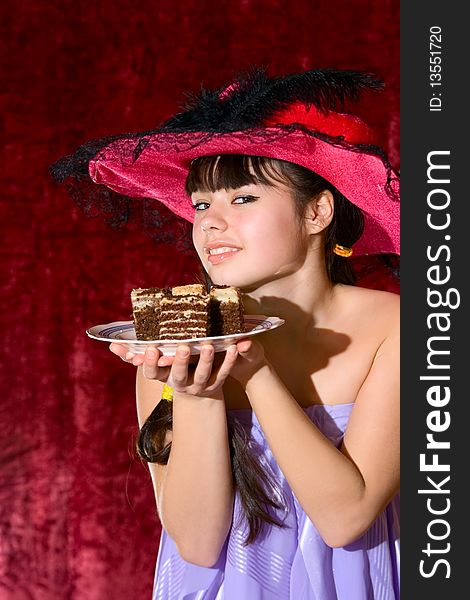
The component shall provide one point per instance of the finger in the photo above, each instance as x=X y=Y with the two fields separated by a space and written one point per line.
x=224 y=371
x=119 y=349
x=136 y=359
x=160 y=373
x=122 y=350
x=165 y=361
x=179 y=368
x=150 y=368
x=204 y=366
x=244 y=346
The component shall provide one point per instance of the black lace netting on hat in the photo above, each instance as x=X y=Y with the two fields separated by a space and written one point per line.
x=245 y=105
x=118 y=210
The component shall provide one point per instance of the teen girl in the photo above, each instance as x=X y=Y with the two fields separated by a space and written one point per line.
x=275 y=464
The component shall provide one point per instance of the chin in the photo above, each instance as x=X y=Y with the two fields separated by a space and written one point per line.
x=243 y=282
x=226 y=279
x=220 y=280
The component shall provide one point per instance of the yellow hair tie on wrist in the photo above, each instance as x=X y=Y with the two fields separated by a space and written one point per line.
x=167 y=393
x=344 y=251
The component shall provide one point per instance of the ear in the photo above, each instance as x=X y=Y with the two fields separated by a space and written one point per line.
x=320 y=212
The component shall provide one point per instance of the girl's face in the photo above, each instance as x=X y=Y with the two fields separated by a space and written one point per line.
x=248 y=236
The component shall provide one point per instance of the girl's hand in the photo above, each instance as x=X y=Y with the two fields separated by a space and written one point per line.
x=202 y=375
x=251 y=359
x=155 y=365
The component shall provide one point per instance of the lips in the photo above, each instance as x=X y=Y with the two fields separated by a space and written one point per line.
x=220 y=252
x=219 y=245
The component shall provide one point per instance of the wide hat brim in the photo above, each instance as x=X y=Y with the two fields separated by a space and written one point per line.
x=156 y=166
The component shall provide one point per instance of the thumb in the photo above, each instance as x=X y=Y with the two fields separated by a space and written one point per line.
x=250 y=350
x=244 y=347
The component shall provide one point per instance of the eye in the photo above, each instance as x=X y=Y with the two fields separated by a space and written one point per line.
x=245 y=199
x=199 y=206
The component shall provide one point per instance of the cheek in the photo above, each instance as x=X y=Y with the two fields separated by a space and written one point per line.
x=273 y=232
x=197 y=240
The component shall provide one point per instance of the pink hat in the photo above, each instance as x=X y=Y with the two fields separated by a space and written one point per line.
x=291 y=118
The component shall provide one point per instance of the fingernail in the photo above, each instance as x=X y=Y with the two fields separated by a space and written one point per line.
x=183 y=352
x=232 y=350
x=162 y=362
x=151 y=354
x=129 y=356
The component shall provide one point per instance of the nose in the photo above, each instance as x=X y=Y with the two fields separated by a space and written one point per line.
x=213 y=219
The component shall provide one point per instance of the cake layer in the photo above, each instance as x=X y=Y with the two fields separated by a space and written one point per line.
x=195 y=289
x=184 y=317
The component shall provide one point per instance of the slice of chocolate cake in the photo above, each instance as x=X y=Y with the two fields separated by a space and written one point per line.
x=146 y=311
x=226 y=310
x=186 y=311
x=185 y=314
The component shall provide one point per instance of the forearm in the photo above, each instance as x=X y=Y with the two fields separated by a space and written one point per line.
x=327 y=484
x=196 y=496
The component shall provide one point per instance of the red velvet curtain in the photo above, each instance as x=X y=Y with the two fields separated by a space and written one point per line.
x=77 y=514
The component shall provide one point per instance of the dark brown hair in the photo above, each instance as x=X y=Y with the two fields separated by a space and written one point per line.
x=256 y=487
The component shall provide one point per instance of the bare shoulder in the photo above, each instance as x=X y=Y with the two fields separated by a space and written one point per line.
x=370 y=296
x=369 y=308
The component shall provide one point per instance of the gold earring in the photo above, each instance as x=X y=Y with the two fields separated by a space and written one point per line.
x=343 y=251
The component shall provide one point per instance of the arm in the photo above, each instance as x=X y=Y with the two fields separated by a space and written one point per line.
x=341 y=490
x=194 y=491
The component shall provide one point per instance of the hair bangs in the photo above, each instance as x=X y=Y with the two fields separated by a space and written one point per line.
x=230 y=171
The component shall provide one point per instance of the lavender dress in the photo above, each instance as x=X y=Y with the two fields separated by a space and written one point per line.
x=291 y=563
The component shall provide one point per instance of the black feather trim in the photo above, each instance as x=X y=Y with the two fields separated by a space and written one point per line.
x=256 y=97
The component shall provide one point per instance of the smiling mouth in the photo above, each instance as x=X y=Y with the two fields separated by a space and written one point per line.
x=220 y=255
x=223 y=250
